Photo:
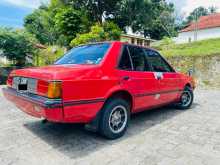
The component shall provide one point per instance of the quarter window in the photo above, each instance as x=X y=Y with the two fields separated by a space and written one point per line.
x=156 y=62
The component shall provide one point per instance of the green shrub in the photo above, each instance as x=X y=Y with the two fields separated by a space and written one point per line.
x=49 y=56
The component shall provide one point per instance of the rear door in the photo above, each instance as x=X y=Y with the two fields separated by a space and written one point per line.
x=136 y=76
x=168 y=79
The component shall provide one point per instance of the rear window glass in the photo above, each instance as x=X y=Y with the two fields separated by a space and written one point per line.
x=86 y=54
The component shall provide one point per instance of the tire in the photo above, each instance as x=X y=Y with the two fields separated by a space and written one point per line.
x=115 y=118
x=186 y=99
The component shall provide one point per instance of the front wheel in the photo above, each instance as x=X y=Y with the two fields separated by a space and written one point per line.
x=115 y=118
x=186 y=98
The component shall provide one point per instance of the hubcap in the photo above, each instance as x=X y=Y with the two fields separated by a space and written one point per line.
x=118 y=119
x=186 y=98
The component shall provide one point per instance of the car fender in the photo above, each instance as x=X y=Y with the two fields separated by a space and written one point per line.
x=94 y=124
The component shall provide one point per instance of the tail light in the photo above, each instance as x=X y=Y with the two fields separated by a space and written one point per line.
x=42 y=88
x=54 y=90
x=10 y=78
x=9 y=81
x=51 y=89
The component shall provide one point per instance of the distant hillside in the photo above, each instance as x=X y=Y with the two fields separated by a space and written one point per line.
x=199 y=48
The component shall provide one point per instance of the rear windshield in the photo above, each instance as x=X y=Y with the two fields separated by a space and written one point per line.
x=87 y=54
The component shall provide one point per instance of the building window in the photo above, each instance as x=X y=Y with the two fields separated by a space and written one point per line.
x=146 y=43
x=139 y=42
x=132 y=40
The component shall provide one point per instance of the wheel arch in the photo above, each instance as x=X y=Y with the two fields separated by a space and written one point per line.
x=121 y=93
x=188 y=85
x=94 y=124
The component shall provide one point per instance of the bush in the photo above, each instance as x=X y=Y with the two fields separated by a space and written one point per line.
x=49 y=56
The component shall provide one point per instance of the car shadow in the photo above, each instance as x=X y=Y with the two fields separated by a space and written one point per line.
x=74 y=141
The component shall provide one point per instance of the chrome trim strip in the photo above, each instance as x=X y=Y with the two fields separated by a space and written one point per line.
x=155 y=93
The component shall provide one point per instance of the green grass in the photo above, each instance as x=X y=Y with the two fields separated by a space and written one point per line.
x=209 y=47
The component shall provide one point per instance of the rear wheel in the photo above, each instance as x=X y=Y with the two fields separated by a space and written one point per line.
x=115 y=118
x=186 y=98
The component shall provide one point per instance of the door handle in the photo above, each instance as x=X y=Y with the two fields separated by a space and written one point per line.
x=126 y=78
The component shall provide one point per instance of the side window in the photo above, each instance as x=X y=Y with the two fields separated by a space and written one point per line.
x=156 y=62
x=125 y=63
x=138 y=58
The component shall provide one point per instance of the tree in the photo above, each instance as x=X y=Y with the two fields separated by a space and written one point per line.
x=153 y=18
x=16 y=45
x=108 y=31
x=56 y=23
x=61 y=20
x=69 y=22
x=40 y=23
x=137 y=14
x=162 y=22
x=95 y=9
x=198 y=12
x=212 y=9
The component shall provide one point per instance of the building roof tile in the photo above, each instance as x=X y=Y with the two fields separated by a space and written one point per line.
x=204 y=22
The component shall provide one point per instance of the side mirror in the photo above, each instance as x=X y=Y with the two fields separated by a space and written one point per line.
x=190 y=72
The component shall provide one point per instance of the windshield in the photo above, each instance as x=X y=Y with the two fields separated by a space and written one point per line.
x=87 y=54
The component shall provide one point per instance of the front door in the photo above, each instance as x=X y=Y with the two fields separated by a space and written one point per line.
x=136 y=77
x=167 y=77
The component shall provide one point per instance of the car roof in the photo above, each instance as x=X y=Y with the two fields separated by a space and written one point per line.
x=145 y=47
x=123 y=43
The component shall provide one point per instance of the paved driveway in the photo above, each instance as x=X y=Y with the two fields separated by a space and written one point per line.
x=165 y=137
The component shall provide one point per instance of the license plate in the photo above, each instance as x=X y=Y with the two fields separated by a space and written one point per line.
x=32 y=85
x=20 y=83
x=16 y=81
x=23 y=81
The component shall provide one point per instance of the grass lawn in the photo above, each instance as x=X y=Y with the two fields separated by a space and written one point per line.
x=199 y=48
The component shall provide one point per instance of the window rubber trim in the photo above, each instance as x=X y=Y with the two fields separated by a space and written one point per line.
x=131 y=61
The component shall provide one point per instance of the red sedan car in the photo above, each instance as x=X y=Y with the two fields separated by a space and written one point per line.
x=101 y=85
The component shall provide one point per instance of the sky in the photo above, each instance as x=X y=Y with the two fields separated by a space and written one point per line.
x=185 y=7
x=12 y=12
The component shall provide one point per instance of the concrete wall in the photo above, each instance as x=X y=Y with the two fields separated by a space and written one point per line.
x=186 y=37
x=206 y=70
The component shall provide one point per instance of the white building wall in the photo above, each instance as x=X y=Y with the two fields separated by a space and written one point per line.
x=3 y=60
x=185 y=37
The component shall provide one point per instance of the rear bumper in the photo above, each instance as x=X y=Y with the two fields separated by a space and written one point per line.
x=55 y=110
x=37 y=106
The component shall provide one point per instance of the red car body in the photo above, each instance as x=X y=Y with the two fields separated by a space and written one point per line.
x=85 y=88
